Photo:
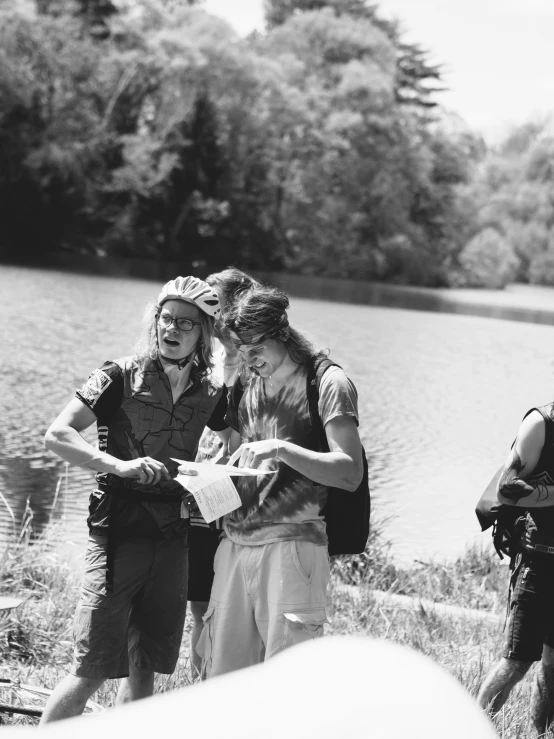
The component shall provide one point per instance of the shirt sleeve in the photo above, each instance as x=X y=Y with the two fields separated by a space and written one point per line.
x=337 y=396
x=103 y=390
x=217 y=419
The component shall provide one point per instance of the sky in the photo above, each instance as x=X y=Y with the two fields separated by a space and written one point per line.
x=497 y=55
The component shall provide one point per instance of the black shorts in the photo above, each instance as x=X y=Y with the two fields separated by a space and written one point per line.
x=531 y=608
x=203 y=543
x=141 y=620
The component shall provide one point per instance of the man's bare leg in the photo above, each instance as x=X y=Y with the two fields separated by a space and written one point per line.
x=499 y=683
x=70 y=697
x=542 y=695
x=139 y=684
x=198 y=609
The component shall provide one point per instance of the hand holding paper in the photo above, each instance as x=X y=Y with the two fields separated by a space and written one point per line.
x=216 y=471
x=215 y=498
x=212 y=487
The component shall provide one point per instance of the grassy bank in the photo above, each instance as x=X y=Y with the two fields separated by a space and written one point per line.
x=36 y=641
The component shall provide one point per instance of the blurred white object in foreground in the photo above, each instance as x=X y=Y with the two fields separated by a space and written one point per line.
x=350 y=687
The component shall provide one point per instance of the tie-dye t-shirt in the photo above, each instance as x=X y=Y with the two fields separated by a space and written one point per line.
x=285 y=505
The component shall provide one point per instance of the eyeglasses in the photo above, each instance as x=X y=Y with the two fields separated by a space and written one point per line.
x=182 y=324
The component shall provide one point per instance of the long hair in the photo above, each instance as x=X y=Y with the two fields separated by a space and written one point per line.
x=147 y=344
x=262 y=311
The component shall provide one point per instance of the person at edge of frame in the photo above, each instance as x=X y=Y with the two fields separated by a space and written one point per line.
x=148 y=408
x=272 y=565
x=204 y=539
x=527 y=481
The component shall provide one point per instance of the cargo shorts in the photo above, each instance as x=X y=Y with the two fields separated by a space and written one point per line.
x=141 y=620
x=264 y=599
x=531 y=622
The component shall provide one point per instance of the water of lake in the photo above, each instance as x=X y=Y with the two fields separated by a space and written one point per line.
x=441 y=397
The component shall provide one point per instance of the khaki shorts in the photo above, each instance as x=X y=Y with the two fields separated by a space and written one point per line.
x=264 y=599
x=141 y=620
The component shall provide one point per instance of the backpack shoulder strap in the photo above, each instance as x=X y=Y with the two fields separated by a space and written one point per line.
x=316 y=369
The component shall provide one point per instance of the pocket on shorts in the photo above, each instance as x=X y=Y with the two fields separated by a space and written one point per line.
x=205 y=645
x=303 y=624
x=303 y=556
x=93 y=589
x=525 y=587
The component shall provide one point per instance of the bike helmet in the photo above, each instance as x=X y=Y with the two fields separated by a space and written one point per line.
x=193 y=290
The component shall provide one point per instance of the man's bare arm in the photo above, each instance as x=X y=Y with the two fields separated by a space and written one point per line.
x=341 y=466
x=64 y=438
x=513 y=486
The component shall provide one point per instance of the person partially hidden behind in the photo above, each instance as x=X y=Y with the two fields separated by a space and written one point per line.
x=148 y=408
x=204 y=539
x=272 y=566
x=527 y=482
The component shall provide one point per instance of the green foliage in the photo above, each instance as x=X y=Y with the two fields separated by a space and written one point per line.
x=511 y=192
x=415 y=78
x=488 y=260
x=376 y=183
x=541 y=268
x=148 y=128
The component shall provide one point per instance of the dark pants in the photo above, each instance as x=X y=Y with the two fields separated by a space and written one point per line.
x=203 y=544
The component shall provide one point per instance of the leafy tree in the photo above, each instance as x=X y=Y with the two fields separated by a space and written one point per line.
x=541 y=267
x=488 y=261
x=378 y=184
x=155 y=131
x=171 y=187
x=94 y=15
x=416 y=79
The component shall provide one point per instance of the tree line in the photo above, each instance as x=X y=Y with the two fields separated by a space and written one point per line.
x=148 y=128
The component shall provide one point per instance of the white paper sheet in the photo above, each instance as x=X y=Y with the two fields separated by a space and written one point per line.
x=215 y=471
x=212 y=486
x=215 y=497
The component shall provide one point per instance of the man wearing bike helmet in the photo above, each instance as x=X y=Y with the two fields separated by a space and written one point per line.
x=148 y=408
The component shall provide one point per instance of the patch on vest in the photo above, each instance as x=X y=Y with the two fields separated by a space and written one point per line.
x=95 y=386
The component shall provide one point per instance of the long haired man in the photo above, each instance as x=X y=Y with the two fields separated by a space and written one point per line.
x=148 y=408
x=272 y=566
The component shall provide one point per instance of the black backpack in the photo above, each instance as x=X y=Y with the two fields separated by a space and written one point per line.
x=346 y=513
x=506 y=520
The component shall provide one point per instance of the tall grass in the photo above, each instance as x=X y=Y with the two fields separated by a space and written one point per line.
x=36 y=643
x=36 y=639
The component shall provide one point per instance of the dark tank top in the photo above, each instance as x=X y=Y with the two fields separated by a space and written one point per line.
x=539 y=525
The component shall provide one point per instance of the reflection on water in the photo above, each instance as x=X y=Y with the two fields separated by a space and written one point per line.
x=441 y=397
